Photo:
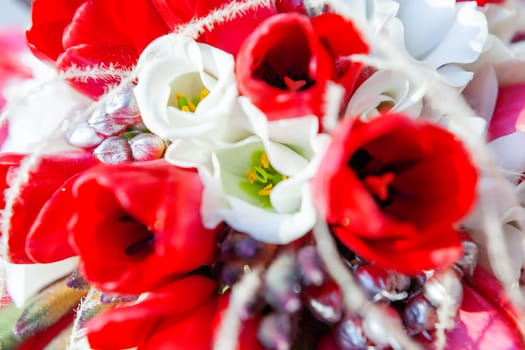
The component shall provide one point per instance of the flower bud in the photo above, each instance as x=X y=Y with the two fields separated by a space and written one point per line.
x=113 y=150
x=84 y=136
x=103 y=124
x=147 y=147
x=122 y=108
x=47 y=308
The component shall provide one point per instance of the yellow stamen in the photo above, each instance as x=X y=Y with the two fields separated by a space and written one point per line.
x=203 y=94
x=185 y=109
x=266 y=190
x=191 y=106
x=265 y=163
x=251 y=177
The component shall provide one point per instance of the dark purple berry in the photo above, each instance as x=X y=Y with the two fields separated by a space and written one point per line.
x=275 y=331
x=349 y=334
x=419 y=315
x=325 y=302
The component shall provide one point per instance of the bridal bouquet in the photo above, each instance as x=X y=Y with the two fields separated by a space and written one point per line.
x=338 y=174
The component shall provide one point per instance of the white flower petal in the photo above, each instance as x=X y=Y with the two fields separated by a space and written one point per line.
x=299 y=132
x=172 y=65
x=498 y=196
x=426 y=23
x=505 y=20
x=284 y=159
x=455 y=75
x=286 y=195
x=190 y=153
x=481 y=93
x=464 y=40
x=386 y=87
x=269 y=226
x=510 y=152
x=294 y=149
x=36 y=110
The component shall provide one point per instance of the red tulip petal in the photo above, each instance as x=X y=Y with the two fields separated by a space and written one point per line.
x=49 y=19
x=193 y=331
x=48 y=239
x=89 y=56
x=198 y=329
x=44 y=180
x=94 y=33
x=230 y=35
x=139 y=322
x=132 y=24
x=439 y=248
x=328 y=27
x=227 y=35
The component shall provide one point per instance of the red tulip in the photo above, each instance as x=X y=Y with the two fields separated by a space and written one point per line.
x=138 y=224
x=42 y=189
x=285 y=64
x=227 y=35
x=392 y=189
x=91 y=33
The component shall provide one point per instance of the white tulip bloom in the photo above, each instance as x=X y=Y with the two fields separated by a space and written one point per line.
x=260 y=185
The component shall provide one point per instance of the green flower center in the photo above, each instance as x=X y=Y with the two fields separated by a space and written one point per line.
x=189 y=105
x=262 y=178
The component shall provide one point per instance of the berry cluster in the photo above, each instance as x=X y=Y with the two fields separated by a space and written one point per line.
x=302 y=307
